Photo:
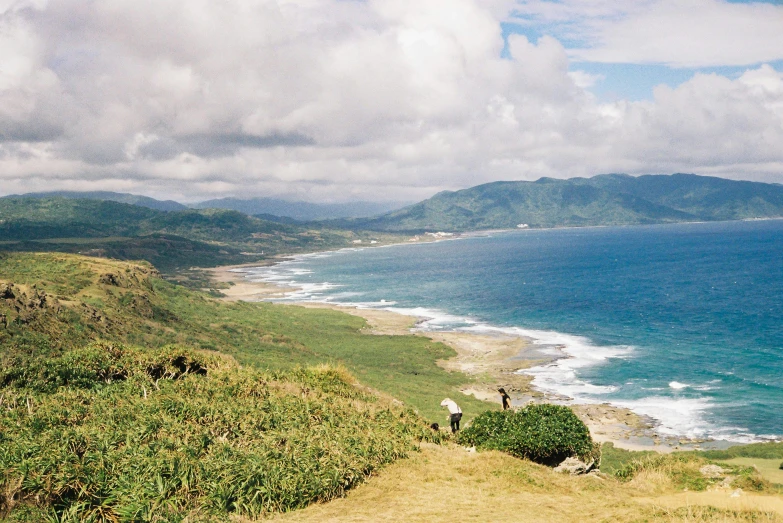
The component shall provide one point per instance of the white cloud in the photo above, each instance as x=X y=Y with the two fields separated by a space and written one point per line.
x=584 y=79
x=331 y=100
x=679 y=33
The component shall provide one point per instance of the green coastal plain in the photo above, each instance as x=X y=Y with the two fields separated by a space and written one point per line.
x=129 y=391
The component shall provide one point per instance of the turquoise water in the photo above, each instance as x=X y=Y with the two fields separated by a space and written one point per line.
x=683 y=322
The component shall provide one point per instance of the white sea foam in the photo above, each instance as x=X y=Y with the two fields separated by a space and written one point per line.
x=676 y=385
x=676 y=416
x=310 y=292
x=433 y=319
x=561 y=375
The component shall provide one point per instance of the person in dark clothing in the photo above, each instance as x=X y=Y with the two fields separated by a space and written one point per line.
x=505 y=398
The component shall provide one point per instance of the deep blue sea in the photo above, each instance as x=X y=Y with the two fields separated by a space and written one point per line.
x=683 y=322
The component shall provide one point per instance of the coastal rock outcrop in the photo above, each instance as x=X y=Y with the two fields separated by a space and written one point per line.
x=575 y=466
x=712 y=471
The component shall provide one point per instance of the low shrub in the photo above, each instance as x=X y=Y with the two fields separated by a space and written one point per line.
x=546 y=434
x=680 y=470
x=684 y=471
x=749 y=479
x=102 y=363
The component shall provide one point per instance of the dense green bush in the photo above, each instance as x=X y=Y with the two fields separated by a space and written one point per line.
x=137 y=435
x=542 y=433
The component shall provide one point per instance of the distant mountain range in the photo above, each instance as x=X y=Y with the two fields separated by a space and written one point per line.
x=610 y=199
x=302 y=211
x=273 y=209
x=170 y=240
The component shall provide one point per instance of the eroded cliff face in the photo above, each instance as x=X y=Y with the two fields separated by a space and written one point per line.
x=49 y=301
x=22 y=304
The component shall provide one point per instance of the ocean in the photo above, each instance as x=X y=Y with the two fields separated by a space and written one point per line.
x=682 y=323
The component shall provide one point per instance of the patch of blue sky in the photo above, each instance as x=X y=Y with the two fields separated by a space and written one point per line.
x=635 y=82
x=623 y=81
x=534 y=31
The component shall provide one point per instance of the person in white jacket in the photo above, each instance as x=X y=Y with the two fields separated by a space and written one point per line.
x=455 y=413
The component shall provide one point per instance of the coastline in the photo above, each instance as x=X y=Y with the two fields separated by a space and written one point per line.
x=491 y=360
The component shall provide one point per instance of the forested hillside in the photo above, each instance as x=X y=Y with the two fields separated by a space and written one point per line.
x=612 y=199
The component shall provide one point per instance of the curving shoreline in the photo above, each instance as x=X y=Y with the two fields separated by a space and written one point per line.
x=491 y=360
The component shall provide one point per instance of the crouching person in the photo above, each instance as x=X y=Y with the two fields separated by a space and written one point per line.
x=455 y=413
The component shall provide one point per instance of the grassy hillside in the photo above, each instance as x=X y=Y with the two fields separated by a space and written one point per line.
x=146 y=422
x=51 y=303
x=601 y=200
x=173 y=241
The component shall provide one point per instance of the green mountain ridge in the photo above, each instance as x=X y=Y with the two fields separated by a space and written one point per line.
x=133 y=199
x=610 y=199
x=171 y=240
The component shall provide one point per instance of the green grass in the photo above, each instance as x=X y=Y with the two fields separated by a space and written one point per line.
x=614 y=458
x=102 y=433
x=62 y=275
x=402 y=366
x=682 y=470
x=754 y=450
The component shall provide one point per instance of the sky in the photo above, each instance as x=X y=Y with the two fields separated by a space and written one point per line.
x=340 y=100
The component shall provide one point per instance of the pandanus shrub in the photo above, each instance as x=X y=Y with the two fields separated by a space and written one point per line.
x=113 y=433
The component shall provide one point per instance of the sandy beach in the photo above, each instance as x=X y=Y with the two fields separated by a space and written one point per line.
x=492 y=361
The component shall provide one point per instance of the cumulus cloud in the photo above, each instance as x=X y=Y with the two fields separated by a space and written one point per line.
x=335 y=100
x=679 y=33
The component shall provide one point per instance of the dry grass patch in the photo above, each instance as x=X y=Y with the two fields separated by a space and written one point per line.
x=447 y=483
x=717 y=506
